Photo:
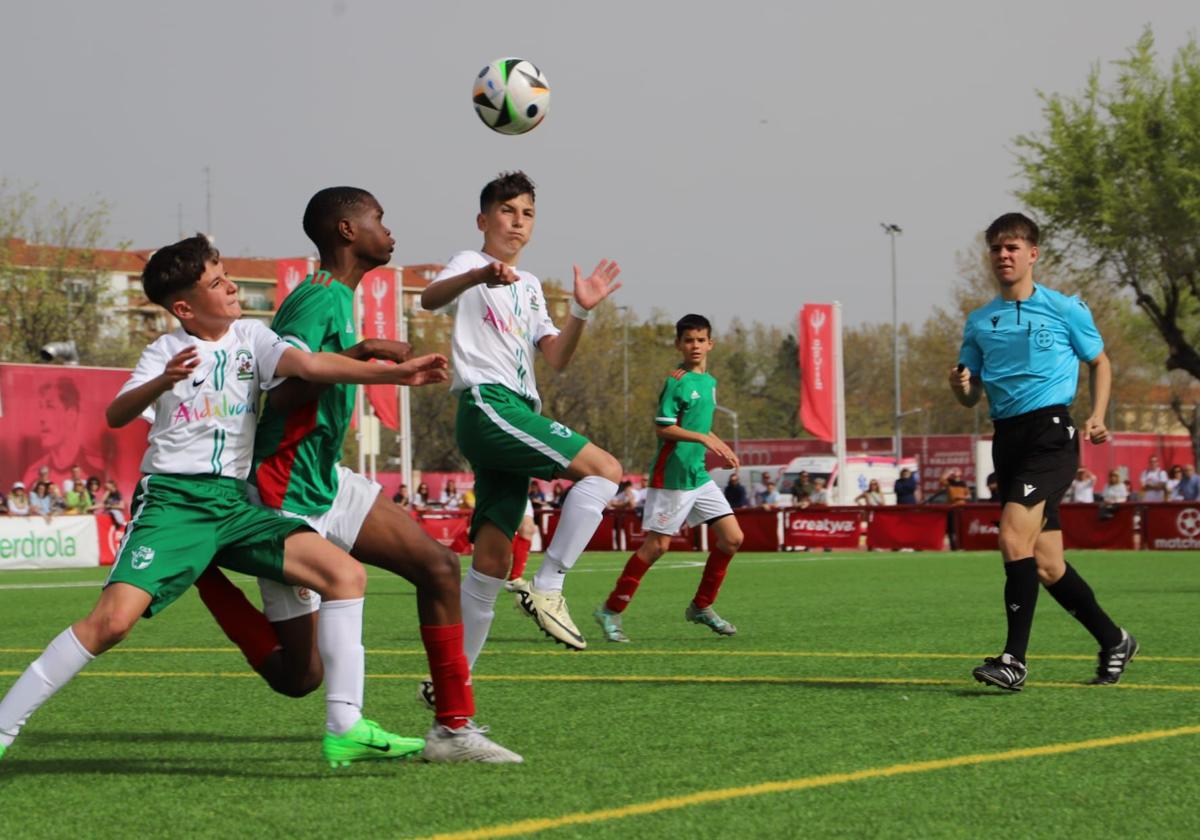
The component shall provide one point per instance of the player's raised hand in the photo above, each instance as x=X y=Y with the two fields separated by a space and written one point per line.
x=423 y=370
x=388 y=351
x=181 y=365
x=1095 y=430
x=496 y=274
x=598 y=285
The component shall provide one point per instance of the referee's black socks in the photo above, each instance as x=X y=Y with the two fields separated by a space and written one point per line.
x=1076 y=597
x=1020 y=597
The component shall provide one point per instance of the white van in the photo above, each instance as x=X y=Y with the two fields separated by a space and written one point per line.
x=860 y=469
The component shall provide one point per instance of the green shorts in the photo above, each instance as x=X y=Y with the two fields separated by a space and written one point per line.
x=508 y=443
x=179 y=524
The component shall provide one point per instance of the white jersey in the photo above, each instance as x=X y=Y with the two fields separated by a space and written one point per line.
x=205 y=424
x=496 y=330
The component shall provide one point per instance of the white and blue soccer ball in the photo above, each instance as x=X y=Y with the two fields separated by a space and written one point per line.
x=511 y=95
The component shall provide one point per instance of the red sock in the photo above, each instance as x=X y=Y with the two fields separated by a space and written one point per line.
x=450 y=673
x=240 y=620
x=710 y=581
x=627 y=584
x=521 y=548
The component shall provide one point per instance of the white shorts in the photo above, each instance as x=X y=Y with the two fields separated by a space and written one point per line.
x=667 y=510
x=340 y=525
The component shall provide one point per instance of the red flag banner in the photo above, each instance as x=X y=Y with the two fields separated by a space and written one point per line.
x=288 y=275
x=818 y=391
x=379 y=321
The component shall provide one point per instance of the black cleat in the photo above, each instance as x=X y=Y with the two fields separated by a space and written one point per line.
x=1003 y=671
x=1114 y=660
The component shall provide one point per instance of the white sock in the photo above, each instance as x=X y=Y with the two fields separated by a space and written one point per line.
x=339 y=641
x=62 y=659
x=478 y=609
x=581 y=514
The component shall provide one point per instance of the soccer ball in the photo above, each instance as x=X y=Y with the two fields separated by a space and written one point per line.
x=511 y=96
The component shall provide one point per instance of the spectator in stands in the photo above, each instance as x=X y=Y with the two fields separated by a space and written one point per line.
x=96 y=494
x=639 y=495
x=557 y=494
x=75 y=481
x=18 y=500
x=1116 y=492
x=801 y=499
x=79 y=501
x=957 y=491
x=112 y=503
x=420 y=499
x=451 y=498
x=735 y=492
x=1154 y=482
x=819 y=494
x=40 y=503
x=1083 y=486
x=1189 y=485
x=1174 y=475
x=625 y=498
x=906 y=488
x=872 y=496
x=58 y=505
x=400 y=498
x=537 y=497
x=769 y=497
x=802 y=484
x=993 y=486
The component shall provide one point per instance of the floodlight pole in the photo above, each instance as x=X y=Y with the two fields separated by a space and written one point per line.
x=893 y=230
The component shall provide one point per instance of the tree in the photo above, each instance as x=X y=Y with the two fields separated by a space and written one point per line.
x=1115 y=177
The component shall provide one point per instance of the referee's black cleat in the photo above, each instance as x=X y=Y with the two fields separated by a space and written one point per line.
x=1003 y=671
x=1114 y=660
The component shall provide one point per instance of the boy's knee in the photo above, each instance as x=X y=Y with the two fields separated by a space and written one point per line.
x=348 y=579
x=444 y=569
x=730 y=543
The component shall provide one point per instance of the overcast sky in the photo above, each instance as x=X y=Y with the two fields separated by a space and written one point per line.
x=735 y=162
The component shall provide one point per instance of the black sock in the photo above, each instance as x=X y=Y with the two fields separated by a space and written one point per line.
x=1020 y=597
x=1076 y=597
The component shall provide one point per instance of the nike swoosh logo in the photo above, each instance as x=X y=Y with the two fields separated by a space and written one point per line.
x=196 y=383
x=565 y=629
x=384 y=748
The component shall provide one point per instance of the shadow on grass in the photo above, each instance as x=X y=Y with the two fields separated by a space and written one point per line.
x=265 y=767
x=205 y=738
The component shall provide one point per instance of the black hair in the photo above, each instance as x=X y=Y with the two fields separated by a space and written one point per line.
x=504 y=187
x=68 y=392
x=328 y=207
x=173 y=269
x=692 y=322
x=1012 y=226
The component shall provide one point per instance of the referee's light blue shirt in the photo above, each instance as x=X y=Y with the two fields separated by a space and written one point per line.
x=1027 y=352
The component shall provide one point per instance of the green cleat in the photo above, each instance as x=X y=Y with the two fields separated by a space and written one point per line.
x=366 y=741
x=709 y=618
x=610 y=623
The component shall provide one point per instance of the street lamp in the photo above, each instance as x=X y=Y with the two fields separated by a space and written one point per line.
x=893 y=230
x=734 y=415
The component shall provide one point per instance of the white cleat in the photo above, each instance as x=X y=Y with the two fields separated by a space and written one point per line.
x=468 y=743
x=549 y=610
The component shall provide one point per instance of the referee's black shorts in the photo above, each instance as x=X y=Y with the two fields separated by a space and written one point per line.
x=1035 y=456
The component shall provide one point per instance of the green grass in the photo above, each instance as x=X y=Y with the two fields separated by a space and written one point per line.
x=843 y=663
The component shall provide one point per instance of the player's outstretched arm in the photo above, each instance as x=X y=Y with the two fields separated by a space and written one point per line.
x=133 y=402
x=1100 y=384
x=966 y=387
x=589 y=292
x=293 y=393
x=442 y=292
x=333 y=368
x=710 y=441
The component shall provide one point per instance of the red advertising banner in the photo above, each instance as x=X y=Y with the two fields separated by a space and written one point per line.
x=923 y=529
x=379 y=321
x=109 y=534
x=818 y=391
x=978 y=527
x=288 y=275
x=631 y=526
x=822 y=528
x=53 y=417
x=760 y=530
x=1096 y=526
x=450 y=531
x=1172 y=525
x=605 y=538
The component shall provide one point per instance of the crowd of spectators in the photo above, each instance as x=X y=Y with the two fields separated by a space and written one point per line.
x=77 y=496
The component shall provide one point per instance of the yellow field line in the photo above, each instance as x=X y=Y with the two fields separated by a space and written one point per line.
x=705 y=797
x=779 y=654
x=643 y=678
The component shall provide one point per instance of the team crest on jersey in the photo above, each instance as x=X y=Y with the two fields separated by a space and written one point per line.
x=1043 y=339
x=695 y=395
x=142 y=558
x=244 y=362
x=559 y=429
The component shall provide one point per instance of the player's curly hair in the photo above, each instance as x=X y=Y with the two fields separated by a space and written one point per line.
x=505 y=186
x=691 y=322
x=328 y=207
x=173 y=269
x=1012 y=226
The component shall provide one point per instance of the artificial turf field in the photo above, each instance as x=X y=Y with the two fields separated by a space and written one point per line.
x=844 y=707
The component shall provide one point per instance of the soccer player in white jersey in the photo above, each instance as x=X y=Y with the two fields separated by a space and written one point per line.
x=200 y=385
x=500 y=318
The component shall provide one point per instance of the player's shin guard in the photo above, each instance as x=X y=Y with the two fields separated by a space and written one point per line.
x=1076 y=597
x=1020 y=598
x=62 y=659
x=520 y=556
x=714 y=574
x=339 y=641
x=478 y=600
x=581 y=514
x=240 y=620
x=453 y=697
x=627 y=584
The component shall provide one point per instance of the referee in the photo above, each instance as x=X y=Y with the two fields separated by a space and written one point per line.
x=1024 y=349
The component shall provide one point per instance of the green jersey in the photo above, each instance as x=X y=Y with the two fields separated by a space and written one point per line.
x=296 y=455
x=688 y=400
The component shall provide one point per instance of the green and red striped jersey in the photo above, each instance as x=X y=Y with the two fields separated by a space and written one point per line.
x=688 y=400
x=296 y=455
